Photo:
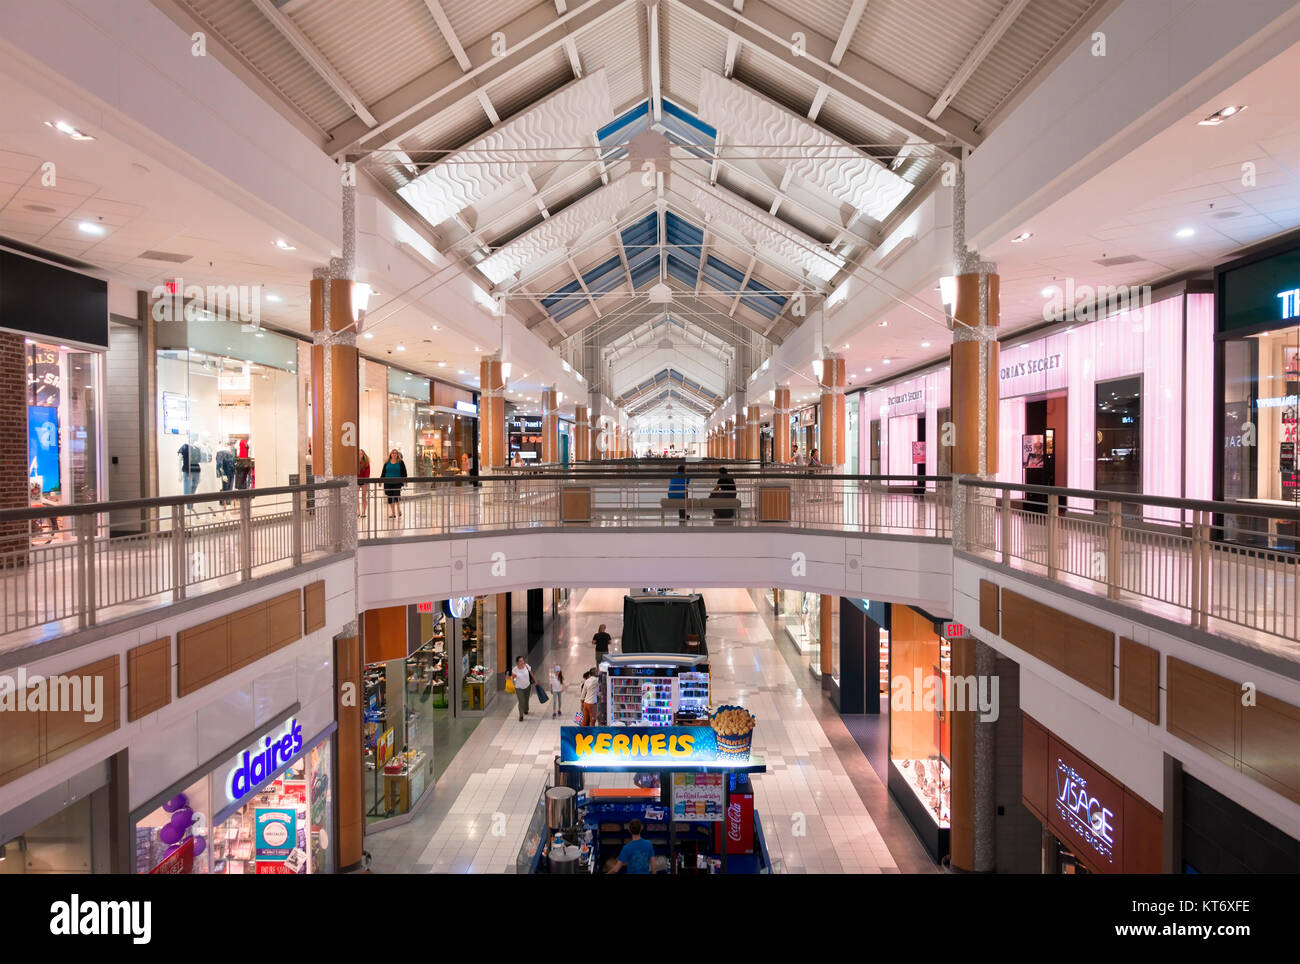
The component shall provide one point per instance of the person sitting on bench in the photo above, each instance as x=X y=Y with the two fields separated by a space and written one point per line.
x=678 y=488
x=724 y=489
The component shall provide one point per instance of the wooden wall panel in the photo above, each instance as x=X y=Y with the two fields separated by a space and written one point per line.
x=774 y=503
x=202 y=655
x=1201 y=708
x=1048 y=641
x=989 y=604
x=313 y=607
x=246 y=631
x=20 y=744
x=283 y=620
x=1139 y=679
x=1144 y=837
x=575 y=503
x=1270 y=745
x=385 y=634
x=1090 y=655
x=69 y=730
x=1017 y=619
x=1033 y=767
x=148 y=678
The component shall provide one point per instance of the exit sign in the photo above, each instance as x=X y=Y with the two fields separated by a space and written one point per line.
x=424 y=607
x=953 y=630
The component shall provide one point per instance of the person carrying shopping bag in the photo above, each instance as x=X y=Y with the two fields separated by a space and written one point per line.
x=522 y=677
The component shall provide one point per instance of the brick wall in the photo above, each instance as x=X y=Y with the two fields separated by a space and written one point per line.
x=13 y=439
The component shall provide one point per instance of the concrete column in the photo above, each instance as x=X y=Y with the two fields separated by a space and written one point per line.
x=550 y=426
x=781 y=424
x=831 y=416
x=492 y=414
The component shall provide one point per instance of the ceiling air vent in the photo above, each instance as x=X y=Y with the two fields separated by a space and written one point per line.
x=165 y=256
x=1118 y=260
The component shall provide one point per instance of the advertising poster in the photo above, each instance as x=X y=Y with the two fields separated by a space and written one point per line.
x=43 y=446
x=918 y=453
x=698 y=796
x=179 y=861
x=275 y=847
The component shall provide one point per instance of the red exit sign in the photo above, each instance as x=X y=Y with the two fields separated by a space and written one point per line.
x=424 y=607
x=953 y=630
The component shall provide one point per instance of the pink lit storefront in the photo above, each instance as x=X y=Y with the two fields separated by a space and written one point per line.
x=1123 y=404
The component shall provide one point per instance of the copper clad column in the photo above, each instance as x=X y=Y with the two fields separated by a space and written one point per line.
x=781 y=424
x=581 y=434
x=975 y=375
x=550 y=426
x=742 y=429
x=831 y=379
x=351 y=765
x=492 y=414
x=753 y=425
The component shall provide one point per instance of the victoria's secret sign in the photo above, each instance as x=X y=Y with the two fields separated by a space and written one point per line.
x=1031 y=367
x=905 y=397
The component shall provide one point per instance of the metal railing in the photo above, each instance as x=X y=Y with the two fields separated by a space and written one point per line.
x=600 y=498
x=1225 y=561
x=67 y=563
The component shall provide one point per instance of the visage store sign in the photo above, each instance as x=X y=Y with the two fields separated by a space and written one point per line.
x=1087 y=806
x=259 y=761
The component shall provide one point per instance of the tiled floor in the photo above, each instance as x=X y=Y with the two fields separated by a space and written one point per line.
x=823 y=808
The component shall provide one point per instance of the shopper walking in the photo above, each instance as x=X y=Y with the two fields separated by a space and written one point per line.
x=590 y=684
x=363 y=473
x=524 y=682
x=394 y=469
x=601 y=641
x=557 y=689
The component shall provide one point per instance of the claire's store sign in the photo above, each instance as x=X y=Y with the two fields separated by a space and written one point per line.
x=1083 y=812
x=260 y=761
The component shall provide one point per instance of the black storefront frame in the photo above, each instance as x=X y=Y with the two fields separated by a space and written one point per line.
x=1222 y=337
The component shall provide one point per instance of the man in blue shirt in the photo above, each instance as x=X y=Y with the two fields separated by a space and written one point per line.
x=678 y=488
x=636 y=853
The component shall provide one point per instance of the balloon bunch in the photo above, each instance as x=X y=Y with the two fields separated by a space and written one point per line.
x=177 y=830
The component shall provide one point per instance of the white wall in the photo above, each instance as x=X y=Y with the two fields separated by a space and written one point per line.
x=121 y=409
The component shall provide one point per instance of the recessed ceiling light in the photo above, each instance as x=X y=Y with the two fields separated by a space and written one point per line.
x=1184 y=232
x=868 y=371
x=90 y=227
x=460 y=371
x=283 y=245
x=401 y=348
x=1220 y=115
x=274 y=299
x=369 y=334
x=884 y=324
x=884 y=361
x=63 y=127
x=1048 y=291
x=435 y=327
x=1022 y=236
x=442 y=364
x=925 y=344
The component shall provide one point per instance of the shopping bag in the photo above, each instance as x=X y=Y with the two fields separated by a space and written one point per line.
x=577 y=718
x=510 y=684
x=541 y=694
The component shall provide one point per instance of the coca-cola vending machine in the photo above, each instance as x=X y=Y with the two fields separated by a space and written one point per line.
x=739 y=822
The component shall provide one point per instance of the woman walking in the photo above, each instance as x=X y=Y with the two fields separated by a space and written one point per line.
x=394 y=469
x=363 y=473
x=557 y=688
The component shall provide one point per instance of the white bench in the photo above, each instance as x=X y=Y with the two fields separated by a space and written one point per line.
x=687 y=505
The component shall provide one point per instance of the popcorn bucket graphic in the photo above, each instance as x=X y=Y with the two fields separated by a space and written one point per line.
x=733 y=730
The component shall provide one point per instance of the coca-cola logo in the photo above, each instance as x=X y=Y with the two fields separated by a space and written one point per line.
x=733 y=822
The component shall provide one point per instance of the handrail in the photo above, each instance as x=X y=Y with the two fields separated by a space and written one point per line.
x=1160 y=501
x=125 y=505
x=795 y=472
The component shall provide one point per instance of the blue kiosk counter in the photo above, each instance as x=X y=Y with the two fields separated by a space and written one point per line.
x=692 y=795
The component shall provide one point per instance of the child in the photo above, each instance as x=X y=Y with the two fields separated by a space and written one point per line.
x=557 y=688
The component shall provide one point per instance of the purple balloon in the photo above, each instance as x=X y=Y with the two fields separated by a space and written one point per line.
x=176 y=802
x=171 y=834
x=200 y=845
x=182 y=818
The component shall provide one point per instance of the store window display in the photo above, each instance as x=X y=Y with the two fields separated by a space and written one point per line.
x=63 y=424
x=919 y=724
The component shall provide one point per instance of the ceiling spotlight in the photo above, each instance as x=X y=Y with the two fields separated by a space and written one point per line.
x=401 y=347
x=868 y=371
x=884 y=324
x=274 y=299
x=435 y=327
x=63 y=127
x=442 y=364
x=90 y=227
x=1048 y=291
x=884 y=361
x=284 y=245
x=1219 y=116
x=1184 y=232
x=925 y=344
x=1022 y=236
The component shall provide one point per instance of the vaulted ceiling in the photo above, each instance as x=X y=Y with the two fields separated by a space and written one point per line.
x=713 y=169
